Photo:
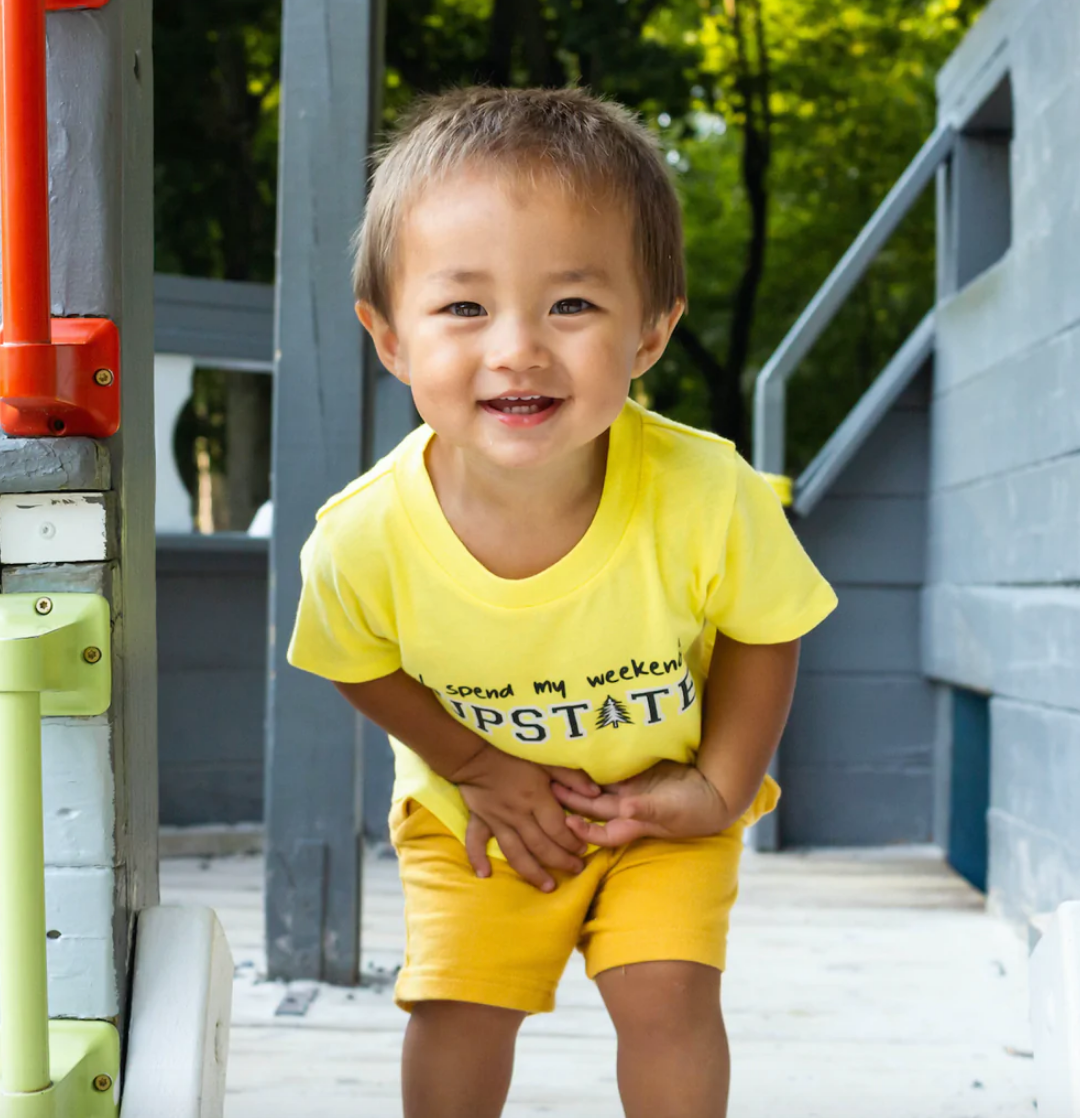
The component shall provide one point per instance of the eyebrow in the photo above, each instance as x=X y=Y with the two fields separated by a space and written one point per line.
x=570 y=275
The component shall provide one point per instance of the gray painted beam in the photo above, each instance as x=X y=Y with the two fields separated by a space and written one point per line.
x=1015 y=642
x=313 y=778
x=52 y=465
x=220 y=322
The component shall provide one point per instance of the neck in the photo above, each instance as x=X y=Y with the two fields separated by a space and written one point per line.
x=551 y=490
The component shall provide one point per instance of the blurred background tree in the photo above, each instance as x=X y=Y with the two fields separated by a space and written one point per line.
x=785 y=122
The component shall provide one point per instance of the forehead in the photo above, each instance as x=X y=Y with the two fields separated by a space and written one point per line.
x=476 y=216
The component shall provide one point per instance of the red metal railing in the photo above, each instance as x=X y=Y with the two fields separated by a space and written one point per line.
x=57 y=376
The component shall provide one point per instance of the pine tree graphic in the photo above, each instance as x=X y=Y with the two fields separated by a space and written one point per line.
x=612 y=713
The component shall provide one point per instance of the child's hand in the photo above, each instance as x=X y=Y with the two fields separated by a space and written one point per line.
x=512 y=800
x=667 y=801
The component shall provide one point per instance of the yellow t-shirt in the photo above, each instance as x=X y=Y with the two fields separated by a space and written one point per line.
x=596 y=663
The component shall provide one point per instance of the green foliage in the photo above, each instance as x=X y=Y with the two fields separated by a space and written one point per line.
x=216 y=97
x=849 y=98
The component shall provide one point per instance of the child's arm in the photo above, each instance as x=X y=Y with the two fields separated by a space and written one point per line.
x=513 y=798
x=747 y=701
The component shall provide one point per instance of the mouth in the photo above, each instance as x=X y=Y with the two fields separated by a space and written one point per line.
x=521 y=405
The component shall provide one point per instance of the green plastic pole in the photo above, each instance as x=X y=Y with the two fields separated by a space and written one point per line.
x=24 y=996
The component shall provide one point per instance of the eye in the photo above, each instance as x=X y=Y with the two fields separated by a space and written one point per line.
x=465 y=310
x=571 y=306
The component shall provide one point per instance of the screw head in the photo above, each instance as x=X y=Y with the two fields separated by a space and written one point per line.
x=91 y=655
x=43 y=606
x=102 y=1082
x=104 y=377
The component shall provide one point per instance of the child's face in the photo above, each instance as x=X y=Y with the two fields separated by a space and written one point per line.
x=517 y=318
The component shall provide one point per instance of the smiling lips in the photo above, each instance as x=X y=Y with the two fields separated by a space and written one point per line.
x=520 y=405
x=522 y=411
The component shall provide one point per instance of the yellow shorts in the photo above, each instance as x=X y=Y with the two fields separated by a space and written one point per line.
x=499 y=941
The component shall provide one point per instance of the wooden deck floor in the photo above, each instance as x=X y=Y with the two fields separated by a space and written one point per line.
x=859 y=986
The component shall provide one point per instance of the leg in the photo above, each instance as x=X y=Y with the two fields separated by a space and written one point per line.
x=458 y=1059
x=673 y=1050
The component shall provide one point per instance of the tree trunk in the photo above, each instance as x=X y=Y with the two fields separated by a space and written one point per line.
x=753 y=88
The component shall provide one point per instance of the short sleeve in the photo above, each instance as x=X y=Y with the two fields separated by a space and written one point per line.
x=334 y=635
x=768 y=591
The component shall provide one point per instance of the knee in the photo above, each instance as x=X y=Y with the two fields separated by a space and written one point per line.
x=658 y=1004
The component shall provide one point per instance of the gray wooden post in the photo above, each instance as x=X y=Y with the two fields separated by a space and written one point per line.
x=314 y=838
x=100 y=774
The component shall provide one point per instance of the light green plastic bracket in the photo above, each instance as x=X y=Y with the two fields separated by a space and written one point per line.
x=54 y=660
x=85 y=1066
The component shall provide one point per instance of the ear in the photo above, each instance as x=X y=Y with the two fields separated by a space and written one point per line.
x=387 y=343
x=654 y=339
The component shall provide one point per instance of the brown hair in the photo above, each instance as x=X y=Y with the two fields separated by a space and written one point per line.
x=591 y=146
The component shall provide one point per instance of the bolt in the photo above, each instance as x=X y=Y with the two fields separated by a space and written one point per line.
x=43 y=606
x=102 y=1082
x=91 y=655
x=46 y=530
x=104 y=377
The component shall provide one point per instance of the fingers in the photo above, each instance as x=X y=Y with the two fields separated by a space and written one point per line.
x=477 y=835
x=549 y=852
x=618 y=832
x=574 y=779
x=552 y=820
x=605 y=806
x=523 y=862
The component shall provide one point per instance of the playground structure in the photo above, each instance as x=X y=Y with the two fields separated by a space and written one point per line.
x=939 y=704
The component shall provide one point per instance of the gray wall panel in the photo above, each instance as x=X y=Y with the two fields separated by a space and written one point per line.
x=856 y=757
x=873 y=629
x=1035 y=776
x=1020 y=412
x=204 y=794
x=1002 y=611
x=851 y=720
x=869 y=540
x=1020 y=528
x=855 y=807
x=894 y=462
x=1014 y=642
x=212 y=607
x=1031 y=870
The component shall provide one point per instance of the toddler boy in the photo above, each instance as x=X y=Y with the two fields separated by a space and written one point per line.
x=578 y=621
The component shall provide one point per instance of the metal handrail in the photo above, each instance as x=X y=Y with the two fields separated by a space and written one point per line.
x=770 y=389
x=816 y=480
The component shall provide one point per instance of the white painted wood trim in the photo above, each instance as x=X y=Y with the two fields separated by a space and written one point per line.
x=1055 y=1014
x=172 y=389
x=180 y=1014
x=53 y=528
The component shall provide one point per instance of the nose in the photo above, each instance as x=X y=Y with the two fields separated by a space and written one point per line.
x=515 y=345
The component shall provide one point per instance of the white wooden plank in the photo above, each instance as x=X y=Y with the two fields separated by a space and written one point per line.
x=53 y=528
x=78 y=791
x=79 y=906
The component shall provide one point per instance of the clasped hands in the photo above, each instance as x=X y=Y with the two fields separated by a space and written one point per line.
x=524 y=806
